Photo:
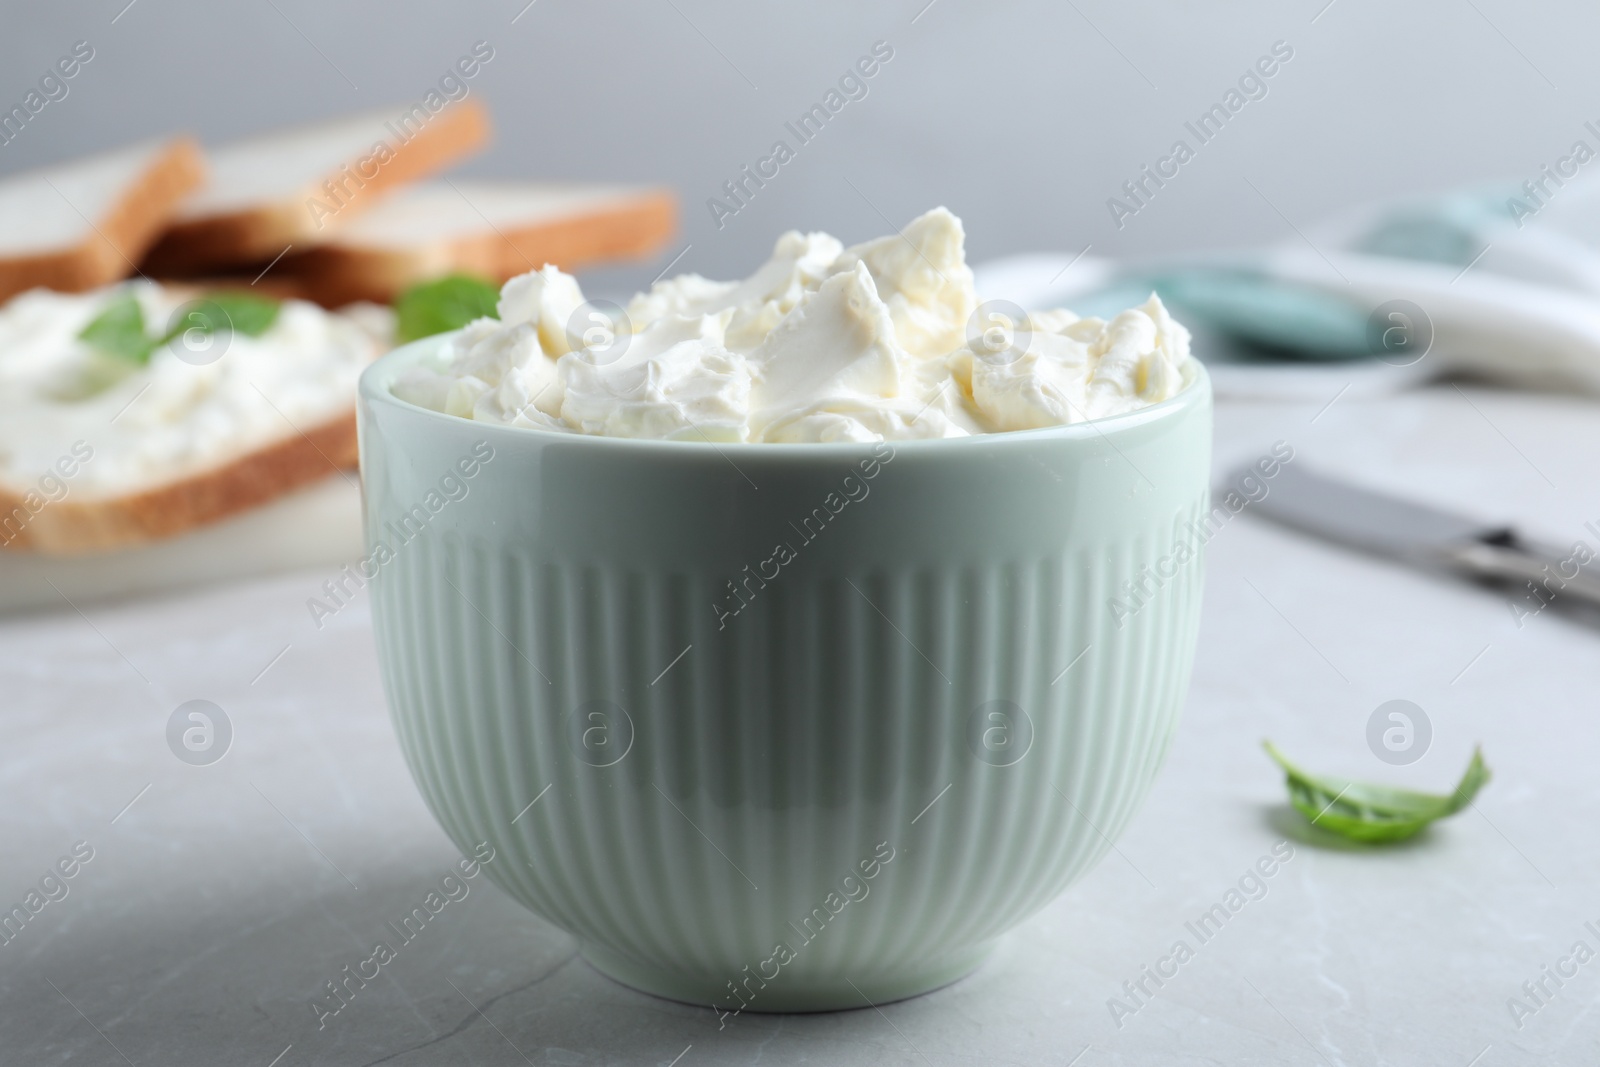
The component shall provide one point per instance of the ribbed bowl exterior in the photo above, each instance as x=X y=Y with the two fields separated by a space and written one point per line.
x=926 y=719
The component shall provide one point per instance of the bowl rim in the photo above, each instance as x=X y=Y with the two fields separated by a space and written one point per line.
x=376 y=380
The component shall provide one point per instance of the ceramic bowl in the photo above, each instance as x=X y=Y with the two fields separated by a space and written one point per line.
x=784 y=727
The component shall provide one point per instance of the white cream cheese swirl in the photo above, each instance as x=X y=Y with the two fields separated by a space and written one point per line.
x=879 y=341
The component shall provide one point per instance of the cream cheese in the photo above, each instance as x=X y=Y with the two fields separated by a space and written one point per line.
x=884 y=340
x=154 y=423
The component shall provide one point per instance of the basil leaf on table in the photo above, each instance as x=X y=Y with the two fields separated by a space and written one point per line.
x=119 y=331
x=1370 y=813
x=445 y=304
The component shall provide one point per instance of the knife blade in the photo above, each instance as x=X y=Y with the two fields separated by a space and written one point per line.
x=1419 y=535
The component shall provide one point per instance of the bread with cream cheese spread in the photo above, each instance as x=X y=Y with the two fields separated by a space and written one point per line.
x=100 y=451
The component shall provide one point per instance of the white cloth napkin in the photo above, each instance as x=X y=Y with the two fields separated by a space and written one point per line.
x=1498 y=288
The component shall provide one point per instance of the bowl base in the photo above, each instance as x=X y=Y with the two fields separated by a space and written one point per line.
x=788 y=993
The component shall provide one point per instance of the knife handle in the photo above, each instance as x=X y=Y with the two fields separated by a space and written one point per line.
x=1508 y=558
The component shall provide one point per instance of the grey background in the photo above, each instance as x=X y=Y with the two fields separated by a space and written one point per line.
x=207 y=920
x=1021 y=117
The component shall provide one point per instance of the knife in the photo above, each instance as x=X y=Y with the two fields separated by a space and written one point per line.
x=1421 y=536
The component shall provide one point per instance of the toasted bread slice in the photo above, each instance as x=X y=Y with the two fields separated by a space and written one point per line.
x=255 y=280
x=85 y=224
x=317 y=525
x=73 y=526
x=293 y=187
x=314 y=527
x=496 y=230
x=98 y=452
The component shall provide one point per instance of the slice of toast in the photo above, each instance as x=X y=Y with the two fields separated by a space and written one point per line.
x=315 y=526
x=73 y=526
x=98 y=452
x=293 y=187
x=496 y=230
x=85 y=224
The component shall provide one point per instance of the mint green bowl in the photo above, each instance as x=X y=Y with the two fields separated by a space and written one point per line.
x=927 y=717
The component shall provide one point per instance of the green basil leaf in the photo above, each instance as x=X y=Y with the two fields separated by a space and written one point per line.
x=240 y=312
x=246 y=313
x=1374 y=813
x=119 y=331
x=445 y=304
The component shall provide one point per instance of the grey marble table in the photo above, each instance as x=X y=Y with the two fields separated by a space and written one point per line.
x=219 y=899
